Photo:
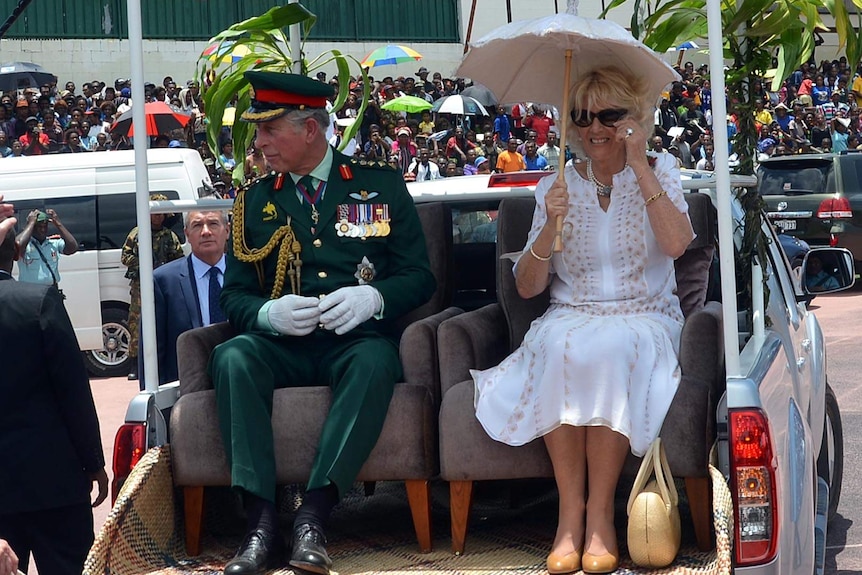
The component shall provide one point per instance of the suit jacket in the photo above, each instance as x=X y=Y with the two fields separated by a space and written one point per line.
x=395 y=263
x=178 y=309
x=49 y=431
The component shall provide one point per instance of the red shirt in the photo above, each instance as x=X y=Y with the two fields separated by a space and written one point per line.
x=541 y=125
x=36 y=151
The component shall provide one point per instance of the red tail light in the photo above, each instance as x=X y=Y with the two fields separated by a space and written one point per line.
x=130 y=444
x=516 y=179
x=752 y=484
x=834 y=208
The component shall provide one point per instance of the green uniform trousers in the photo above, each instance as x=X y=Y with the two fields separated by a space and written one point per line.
x=360 y=368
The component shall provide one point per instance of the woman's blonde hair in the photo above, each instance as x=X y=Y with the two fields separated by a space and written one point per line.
x=610 y=85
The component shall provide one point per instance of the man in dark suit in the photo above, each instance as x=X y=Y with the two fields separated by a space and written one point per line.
x=326 y=254
x=49 y=432
x=187 y=290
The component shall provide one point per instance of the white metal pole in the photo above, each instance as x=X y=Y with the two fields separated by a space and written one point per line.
x=757 y=304
x=295 y=34
x=142 y=199
x=722 y=175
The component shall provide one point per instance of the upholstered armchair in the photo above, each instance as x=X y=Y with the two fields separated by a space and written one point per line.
x=407 y=447
x=482 y=338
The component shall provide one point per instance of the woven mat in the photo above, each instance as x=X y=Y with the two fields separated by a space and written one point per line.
x=143 y=533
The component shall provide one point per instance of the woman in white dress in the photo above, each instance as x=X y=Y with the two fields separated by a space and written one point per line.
x=596 y=373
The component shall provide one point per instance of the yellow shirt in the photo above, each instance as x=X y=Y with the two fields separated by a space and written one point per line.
x=426 y=128
x=763 y=117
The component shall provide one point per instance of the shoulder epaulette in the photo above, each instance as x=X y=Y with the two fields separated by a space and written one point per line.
x=376 y=164
x=254 y=181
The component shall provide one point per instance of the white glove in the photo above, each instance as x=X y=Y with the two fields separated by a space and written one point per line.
x=347 y=307
x=294 y=315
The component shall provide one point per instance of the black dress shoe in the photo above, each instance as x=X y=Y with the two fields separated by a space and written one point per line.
x=260 y=550
x=309 y=552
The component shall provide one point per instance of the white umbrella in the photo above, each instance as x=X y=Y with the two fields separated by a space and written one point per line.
x=524 y=61
x=541 y=60
x=461 y=105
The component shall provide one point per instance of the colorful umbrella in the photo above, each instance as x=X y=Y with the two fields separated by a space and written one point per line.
x=390 y=54
x=409 y=104
x=160 y=118
x=461 y=105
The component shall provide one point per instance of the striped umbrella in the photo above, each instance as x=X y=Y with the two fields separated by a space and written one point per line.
x=390 y=54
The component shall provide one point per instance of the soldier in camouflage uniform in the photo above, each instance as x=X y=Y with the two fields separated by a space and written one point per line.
x=166 y=248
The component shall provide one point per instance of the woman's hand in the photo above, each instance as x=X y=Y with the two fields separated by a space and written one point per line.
x=556 y=202
x=635 y=138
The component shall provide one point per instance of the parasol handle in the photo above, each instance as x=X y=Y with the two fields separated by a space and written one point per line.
x=567 y=77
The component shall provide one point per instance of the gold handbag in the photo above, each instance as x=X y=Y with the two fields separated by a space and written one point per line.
x=653 y=527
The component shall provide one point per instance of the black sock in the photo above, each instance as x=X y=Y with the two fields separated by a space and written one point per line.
x=316 y=506
x=260 y=513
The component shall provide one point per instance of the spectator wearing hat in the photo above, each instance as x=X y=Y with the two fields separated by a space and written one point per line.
x=422 y=74
x=403 y=149
x=166 y=248
x=483 y=166
x=22 y=112
x=35 y=141
x=766 y=148
x=41 y=254
x=332 y=328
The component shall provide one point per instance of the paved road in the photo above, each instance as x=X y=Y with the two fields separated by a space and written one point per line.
x=841 y=318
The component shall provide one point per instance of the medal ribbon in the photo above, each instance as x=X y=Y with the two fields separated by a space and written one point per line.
x=312 y=200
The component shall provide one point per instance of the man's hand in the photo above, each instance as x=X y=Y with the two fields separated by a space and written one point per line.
x=347 y=307
x=53 y=217
x=100 y=478
x=294 y=315
x=8 y=559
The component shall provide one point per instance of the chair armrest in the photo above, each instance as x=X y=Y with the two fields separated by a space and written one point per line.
x=474 y=340
x=418 y=351
x=193 y=354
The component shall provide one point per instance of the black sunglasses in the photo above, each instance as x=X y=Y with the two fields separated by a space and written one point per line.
x=584 y=118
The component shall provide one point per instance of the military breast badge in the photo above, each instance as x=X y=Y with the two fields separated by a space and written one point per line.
x=269 y=212
x=364 y=271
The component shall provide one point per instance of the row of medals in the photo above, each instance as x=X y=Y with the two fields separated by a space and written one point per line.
x=376 y=229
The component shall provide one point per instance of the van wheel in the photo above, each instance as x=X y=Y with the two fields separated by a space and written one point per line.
x=830 y=462
x=113 y=359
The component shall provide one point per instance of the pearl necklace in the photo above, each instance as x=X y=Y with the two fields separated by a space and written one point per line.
x=601 y=189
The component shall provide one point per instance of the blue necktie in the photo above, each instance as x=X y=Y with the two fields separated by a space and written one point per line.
x=216 y=314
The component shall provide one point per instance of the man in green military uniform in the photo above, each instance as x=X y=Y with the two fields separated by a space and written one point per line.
x=166 y=248
x=327 y=252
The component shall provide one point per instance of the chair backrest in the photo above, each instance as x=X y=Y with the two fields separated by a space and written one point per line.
x=514 y=219
x=436 y=220
x=513 y=225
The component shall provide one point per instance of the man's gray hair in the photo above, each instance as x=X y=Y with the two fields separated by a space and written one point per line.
x=320 y=115
x=223 y=215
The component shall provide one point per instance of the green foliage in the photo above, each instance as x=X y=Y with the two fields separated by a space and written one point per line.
x=261 y=43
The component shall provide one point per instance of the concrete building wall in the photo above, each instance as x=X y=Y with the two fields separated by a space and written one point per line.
x=83 y=60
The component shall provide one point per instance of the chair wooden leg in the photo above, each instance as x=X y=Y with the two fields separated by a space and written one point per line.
x=419 y=497
x=460 y=500
x=700 y=503
x=194 y=514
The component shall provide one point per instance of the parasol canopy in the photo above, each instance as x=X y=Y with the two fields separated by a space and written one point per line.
x=524 y=61
x=160 y=119
x=481 y=94
x=460 y=105
x=390 y=54
x=409 y=104
x=23 y=75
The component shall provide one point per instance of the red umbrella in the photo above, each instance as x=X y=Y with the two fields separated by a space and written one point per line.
x=161 y=119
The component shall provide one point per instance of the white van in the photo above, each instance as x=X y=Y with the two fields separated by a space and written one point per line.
x=94 y=196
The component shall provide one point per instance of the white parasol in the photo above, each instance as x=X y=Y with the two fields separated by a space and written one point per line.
x=541 y=60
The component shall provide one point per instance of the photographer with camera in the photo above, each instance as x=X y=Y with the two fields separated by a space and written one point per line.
x=42 y=253
x=35 y=142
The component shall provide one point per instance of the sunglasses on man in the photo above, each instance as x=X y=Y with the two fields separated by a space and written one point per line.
x=608 y=117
